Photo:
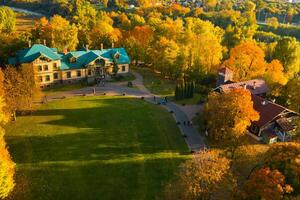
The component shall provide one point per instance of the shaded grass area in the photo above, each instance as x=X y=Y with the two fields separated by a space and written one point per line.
x=95 y=148
x=198 y=98
x=156 y=84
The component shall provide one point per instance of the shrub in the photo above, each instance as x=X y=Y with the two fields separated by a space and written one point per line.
x=7 y=171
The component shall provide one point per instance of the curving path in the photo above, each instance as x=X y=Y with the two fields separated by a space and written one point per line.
x=193 y=139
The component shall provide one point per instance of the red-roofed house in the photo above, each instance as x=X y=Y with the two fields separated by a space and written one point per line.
x=274 y=119
x=276 y=122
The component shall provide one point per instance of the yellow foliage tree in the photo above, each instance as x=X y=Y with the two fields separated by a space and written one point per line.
x=275 y=76
x=247 y=60
x=206 y=176
x=7 y=166
x=58 y=32
x=286 y=158
x=104 y=33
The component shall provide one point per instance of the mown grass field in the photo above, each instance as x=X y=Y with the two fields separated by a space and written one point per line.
x=95 y=148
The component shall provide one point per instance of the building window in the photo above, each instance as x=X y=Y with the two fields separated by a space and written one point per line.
x=55 y=76
x=55 y=66
x=78 y=73
x=41 y=79
x=89 y=72
x=45 y=67
x=72 y=60
x=68 y=74
x=123 y=68
x=47 y=78
x=40 y=68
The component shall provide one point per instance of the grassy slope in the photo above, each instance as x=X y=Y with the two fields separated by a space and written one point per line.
x=155 y=83
x=95 y=148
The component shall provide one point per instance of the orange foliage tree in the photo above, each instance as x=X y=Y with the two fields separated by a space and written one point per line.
x=247 y=60
x=228 y=116
x=137 y=42
x=266 y=184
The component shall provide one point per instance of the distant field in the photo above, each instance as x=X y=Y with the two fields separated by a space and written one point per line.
x=88 y=148
x=25 y=22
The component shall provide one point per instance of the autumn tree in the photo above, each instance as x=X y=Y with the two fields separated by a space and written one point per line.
x=20 y=89
x=273 y=21
x=137 y=42
x=85 y=19
x=228 y=115
x=203 y=41
x=169 y=28
x=275 y=76
x=287 y=51
x=164 y=55
x=58 y=32
x=285 y=158
x=7 y=20
x=247 y=60
x=206 y=176
x=291 y=94
x=243 y=26
x=209 y=4
x=7 y=166
x=266 y=184
x=104 y=33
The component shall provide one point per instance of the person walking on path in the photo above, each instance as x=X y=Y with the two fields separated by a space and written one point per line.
x=94 y=91
x=154 y=98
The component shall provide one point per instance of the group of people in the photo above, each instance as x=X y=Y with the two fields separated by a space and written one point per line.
x=188 y=123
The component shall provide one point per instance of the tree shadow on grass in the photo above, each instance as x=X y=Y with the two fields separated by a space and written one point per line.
x=118 y=152
x=127 y=180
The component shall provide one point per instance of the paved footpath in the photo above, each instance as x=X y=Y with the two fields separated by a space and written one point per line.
x=193 y=139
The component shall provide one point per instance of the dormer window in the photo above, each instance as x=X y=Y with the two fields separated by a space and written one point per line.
x=44 y=59
x=100 y=62
x=117 y=56
x=72 y=60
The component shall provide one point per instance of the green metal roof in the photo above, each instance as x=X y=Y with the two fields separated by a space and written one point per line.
x=83 y=57
x=30 y=54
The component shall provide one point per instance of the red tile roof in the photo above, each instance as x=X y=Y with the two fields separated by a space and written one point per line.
x=268 y=111
x=255 y=86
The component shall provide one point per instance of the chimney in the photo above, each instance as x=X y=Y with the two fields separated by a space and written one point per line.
x=65 y=51
x=45 y=44
x=112 y=45
x=101 y=46
x=29 y=43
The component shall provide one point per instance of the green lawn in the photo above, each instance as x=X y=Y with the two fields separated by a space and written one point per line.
x=192 y=101
x=155 y=83
x=95 y=148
